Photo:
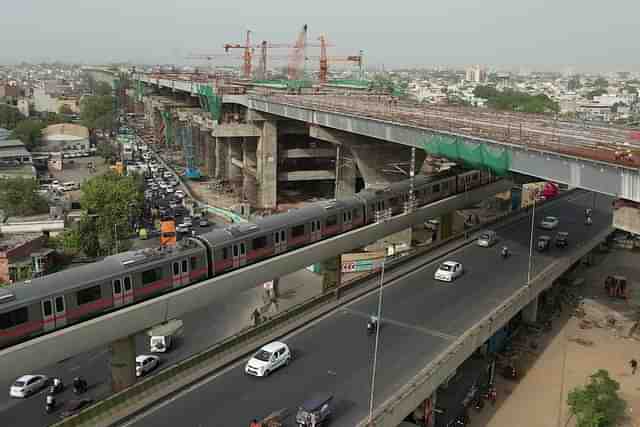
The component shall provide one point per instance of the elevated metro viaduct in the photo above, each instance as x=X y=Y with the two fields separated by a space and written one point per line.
x=373 y=137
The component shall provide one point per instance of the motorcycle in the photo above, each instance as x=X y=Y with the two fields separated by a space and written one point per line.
x=56 y=388
x=371 y=327
x=588 y=221
x=505 y=253
x=79 y=386
x=50 y=404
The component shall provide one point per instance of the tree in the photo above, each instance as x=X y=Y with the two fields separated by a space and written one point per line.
x=597 y=404
x=117 y=202
x=65 y=110
x=19 y=196
x=596 y=92
x=96 y=112
x=601 y=83
x=89 y=239
x=103 y=89
x=107 y=151
x=9 y=116
x=574 y=83
x=29 y=132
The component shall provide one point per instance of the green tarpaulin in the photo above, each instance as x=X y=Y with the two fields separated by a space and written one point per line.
x=472 y=154
x=209 y=101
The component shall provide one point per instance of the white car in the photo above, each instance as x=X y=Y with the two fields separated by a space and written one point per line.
x=27 y=385
x=269 y=358
x=146 y=363
x=448 y=271
x=549 y=222
x=167 y=175
x=169 y=190
x=180 y=193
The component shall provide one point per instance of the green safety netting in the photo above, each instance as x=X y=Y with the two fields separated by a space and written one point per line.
x=168 y=127
x=473 y=154
x=209 y=101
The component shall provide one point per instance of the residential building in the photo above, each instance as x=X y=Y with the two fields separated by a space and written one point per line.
x=476 y=74
x=23 y=257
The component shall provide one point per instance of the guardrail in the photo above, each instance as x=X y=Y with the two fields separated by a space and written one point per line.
x=390 y=413
x=182 y=374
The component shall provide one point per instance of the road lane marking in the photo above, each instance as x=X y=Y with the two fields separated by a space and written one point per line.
x=385 y=320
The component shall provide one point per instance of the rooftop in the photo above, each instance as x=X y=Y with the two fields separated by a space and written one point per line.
x=8 y=242
x=65 y=131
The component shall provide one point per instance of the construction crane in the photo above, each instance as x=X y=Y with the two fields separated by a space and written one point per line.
x=298 y=57
x=325 y=60
x=248 y=53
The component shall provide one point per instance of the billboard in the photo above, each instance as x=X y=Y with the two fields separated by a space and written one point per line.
x=363 y=261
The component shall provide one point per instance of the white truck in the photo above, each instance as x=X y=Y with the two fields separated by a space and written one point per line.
x=162 y=337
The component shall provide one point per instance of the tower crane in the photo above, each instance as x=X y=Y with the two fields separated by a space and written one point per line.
x=248 y=53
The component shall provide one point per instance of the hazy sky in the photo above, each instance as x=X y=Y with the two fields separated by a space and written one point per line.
x=402 y=32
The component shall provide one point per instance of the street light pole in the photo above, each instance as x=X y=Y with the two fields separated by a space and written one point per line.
x=533 y=220
x=375 y=351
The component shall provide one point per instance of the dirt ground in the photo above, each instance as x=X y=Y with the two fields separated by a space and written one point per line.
x=570 y=353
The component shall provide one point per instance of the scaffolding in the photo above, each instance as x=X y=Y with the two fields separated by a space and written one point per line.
x=185 y=138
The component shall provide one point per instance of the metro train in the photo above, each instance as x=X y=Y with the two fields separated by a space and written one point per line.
x=51 y=302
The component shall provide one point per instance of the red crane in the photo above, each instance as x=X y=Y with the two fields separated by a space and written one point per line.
x=248 y=53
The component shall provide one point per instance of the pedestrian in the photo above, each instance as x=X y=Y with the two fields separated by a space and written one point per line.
x=634 y=366
x=256 y=317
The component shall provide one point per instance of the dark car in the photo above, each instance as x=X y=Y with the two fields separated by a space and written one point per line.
x=72 y=407
x=562 y=239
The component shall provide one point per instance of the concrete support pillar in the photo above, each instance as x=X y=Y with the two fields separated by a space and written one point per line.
x=123 y=363
x=331 y=273
x=530 y=312
x=235 y=153
x=345 y=172
x=222 y=152
x=209 y=153
x=249 y=183
x=445 y=229
x=267 y=166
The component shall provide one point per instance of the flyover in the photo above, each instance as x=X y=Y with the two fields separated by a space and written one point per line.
x=428 y=330
x=603 y=159
x=64 y=343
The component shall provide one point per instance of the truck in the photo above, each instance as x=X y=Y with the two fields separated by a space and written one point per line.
x=162 y=337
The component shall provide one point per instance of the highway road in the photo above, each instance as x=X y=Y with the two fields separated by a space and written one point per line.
x=420 y=318
x=202 y=329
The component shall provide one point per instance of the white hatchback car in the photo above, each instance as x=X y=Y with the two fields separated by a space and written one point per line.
x=448 y=271
x=269 y=358
x=146 y=363
x=27 y=385
x=549 y=222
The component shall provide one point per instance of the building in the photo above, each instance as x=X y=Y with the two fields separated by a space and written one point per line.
x=8 y=91
x=23 y=257
x=4 y=134
x=476 y=74
x=45 y=102
x=15 y=160
x=65 y=137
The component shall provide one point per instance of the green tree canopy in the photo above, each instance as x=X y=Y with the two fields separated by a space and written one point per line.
x=29 y=132
x=103 y=89
x=9 y=116
x=596 y=92
x=601 y=83
x=512 y=100
x=19 y=196
x=597 y=404
x=115 y=200
x=107 y=151
x=96 y=112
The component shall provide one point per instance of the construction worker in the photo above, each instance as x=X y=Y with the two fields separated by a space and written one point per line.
x=634 y=366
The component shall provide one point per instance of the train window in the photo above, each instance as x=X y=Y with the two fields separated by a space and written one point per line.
x=127 y=283
x=47 y=308
x=117 y=286
x=184 y=266
x=297 y=231
x=277 y=237
x=313 y=226
x=235 y=250
x=59 y=304
x=176 y=268
x=318 y=225
x=194 y=263
x=150 y=276
x=14 y=318
x=242 y=251
x=282 y=236
x=260 y=242
x=88 y=295
x=344 y=217
x=225 y=253
x=436 y=188
x=331 y=220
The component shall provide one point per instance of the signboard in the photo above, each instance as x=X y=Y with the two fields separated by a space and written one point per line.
x=365 y=261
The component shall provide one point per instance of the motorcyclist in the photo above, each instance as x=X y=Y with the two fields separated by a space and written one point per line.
x=57 y=383
x=79 y=384
x=372 y=324
x=587 y=212
x=50 y=402
x=505 y=252
x=588 y=220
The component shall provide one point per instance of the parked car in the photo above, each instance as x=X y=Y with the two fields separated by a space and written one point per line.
x=448 y=271
x=74 y=406
x=27 y=385
x=549 y=222
x=269 y=358
x=146 y=363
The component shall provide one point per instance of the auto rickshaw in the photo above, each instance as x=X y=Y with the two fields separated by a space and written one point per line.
x=316 y=411
x=543 y=243
x=616 y=286
x=562 y=239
